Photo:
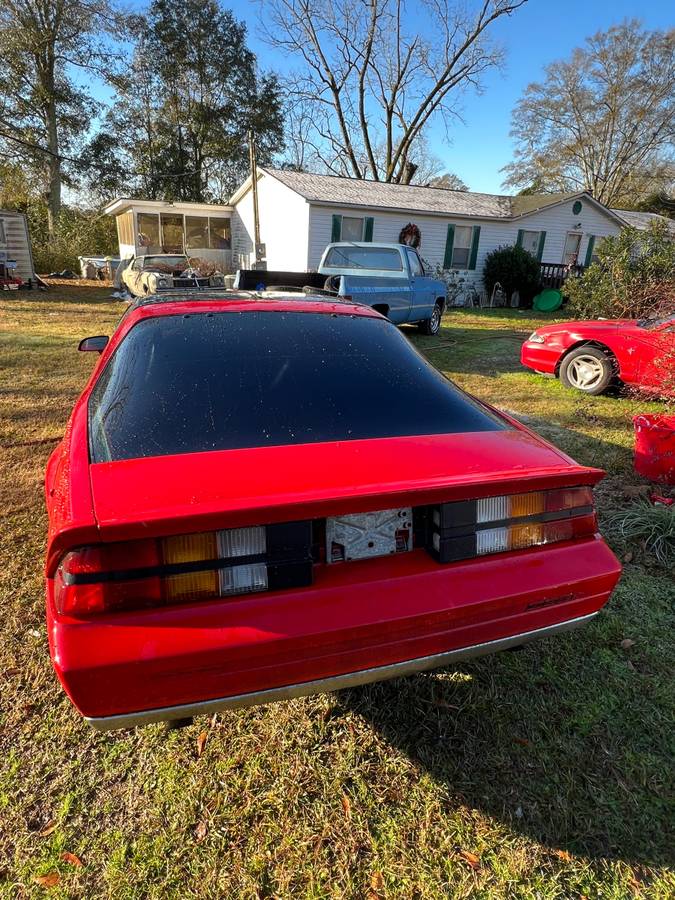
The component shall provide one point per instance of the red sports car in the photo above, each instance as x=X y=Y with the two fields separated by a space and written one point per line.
x=590 y=356
x=257 y=499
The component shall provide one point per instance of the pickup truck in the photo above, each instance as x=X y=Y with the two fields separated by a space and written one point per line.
x=388 y=277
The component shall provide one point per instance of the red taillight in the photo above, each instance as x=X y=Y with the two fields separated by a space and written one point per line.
x=183 y=568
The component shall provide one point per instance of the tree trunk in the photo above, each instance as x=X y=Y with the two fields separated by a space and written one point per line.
x=53 y=162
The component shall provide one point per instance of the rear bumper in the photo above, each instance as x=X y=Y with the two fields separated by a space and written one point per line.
x=337 y=682
x=356 y=617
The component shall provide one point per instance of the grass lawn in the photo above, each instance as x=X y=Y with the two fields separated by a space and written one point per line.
x=540 y=774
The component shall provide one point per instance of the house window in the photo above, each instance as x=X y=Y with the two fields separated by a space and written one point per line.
x=148 y=232
x=220 y=234
x=173 y=236
x=530 y=241
x=352 y=229
x=125 y=228
x=461 y=247
x=196 y=232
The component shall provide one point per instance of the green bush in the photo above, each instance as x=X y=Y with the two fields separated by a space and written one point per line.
x=633 y=277
x=78 y=233
x=515 y=269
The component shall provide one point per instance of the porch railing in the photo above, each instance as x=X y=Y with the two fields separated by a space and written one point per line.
x=554 y=275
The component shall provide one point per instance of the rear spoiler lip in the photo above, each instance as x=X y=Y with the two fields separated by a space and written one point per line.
x=268 y=510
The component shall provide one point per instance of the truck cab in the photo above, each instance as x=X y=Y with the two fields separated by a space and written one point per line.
x=389 y=277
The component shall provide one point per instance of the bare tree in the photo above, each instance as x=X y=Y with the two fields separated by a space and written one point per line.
x=369 y=84
x=602 y=121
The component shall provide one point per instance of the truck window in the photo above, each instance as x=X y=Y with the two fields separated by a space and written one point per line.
x=415 y=264
x=346 y=257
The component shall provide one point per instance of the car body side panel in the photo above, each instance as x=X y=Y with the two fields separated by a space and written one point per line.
x=634 y=348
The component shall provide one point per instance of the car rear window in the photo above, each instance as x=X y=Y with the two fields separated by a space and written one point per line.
x=363 y=258
x=223 y=381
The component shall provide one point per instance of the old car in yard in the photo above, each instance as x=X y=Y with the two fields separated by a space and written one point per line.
x=160 y=272
x=389 y=277
x=592 y=355
x=257 y=499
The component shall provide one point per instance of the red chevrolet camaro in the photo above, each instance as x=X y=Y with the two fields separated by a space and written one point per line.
x=590 y=356
x=257 y=499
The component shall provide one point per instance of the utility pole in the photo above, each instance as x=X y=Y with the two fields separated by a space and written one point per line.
x=259 y=249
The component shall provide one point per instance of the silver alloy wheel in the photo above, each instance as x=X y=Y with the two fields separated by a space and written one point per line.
x=585 y=372
x=435 y=321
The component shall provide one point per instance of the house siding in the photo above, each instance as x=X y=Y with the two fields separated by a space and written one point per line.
x=17 y=246
x=555 y=221
x=284 y=227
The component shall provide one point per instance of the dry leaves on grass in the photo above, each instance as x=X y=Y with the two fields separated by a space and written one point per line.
x=347 y=807
x=471 y=859
x=627 y=643
x=49 y=828
x=71 y=858
x=201 y=742
x=201 y=830
x=565 y=855
x=376 y=889
x=47 y=881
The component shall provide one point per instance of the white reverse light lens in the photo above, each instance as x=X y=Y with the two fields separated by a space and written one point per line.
x=243 y=579
x=492 y=540
x=492 y=509
x=241 y=542
x=535 y=338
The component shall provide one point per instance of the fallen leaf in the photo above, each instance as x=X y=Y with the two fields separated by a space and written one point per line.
x=444 y=704
x=565 y=855
x=470 y=858
x=627 y=643
x=201 y=742
x=628 y=557
x=201 y=831
x=214 y=720
x=49 y=828
x=347 y=807
x=68 y=857
x=377 y=881
x=10 y=673
x=523 y=741
x=49 y=880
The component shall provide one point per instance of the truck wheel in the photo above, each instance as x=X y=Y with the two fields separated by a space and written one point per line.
x=587 y=369
x=432 y=325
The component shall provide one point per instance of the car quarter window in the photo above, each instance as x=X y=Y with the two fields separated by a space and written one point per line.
x=183 y=384
x=414 y=262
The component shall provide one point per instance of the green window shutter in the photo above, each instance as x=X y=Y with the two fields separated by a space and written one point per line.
x=519 y=239
x=475 y=238
x=336 y=233
x=589 y=250
x=368 y=228
x=540 y=248
x=449 y=243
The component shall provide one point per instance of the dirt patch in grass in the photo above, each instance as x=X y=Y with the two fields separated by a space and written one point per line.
x=543 y=773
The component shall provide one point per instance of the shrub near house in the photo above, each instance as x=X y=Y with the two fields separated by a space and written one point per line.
x=515 y=269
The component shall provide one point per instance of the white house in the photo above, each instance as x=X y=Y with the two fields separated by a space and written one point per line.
x=158 y=226
x=16 y=256
x=300 y=213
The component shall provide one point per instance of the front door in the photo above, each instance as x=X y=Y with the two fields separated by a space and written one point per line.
x=571 y=251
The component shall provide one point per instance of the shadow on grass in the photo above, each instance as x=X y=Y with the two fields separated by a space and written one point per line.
x=542 y=742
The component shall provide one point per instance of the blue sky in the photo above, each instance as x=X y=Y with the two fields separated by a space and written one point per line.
x=540 y=32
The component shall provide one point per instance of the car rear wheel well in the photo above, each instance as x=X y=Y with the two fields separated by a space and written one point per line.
x=441 y=302
x=382 y=308
x=598 y=344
